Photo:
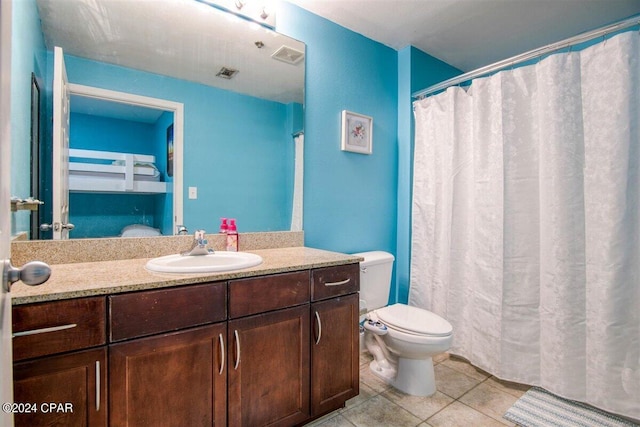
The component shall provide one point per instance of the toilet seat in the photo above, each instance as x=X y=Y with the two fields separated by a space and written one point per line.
x=414 y=320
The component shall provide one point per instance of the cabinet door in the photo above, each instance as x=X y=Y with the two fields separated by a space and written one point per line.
x=269 y=368
x=334 y=353
x=177 y=379
x=67 y=390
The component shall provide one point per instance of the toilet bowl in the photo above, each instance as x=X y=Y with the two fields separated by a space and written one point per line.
x=402 y=339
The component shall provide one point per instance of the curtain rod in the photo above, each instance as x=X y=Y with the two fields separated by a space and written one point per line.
x=535 y=53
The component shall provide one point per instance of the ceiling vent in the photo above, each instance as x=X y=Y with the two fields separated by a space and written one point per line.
x=288 y=55
x=226 y=73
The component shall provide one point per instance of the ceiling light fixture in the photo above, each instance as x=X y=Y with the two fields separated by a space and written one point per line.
x=258 y=11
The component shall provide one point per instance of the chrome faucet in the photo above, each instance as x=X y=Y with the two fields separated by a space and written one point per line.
x=199 y=245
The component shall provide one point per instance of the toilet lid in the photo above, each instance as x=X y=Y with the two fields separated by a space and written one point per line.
x=414 y=320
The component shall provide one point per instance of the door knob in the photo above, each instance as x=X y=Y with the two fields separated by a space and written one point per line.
x=45 y=227
x=57 y=226
x=32 y=273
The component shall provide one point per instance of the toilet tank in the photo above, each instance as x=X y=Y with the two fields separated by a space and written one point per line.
x=375 y=279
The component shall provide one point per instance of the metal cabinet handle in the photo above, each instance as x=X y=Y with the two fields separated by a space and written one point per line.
x=319 y=328
x=237 y=338
x=97 y=385
x=343 y=282
x=44 y=330
x=221 y=354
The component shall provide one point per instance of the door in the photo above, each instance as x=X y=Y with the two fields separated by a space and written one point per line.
x=268 y=358
x=335 y=353
x=176 y=379
x=60 y=165
x=6 y=381
x=68 y=390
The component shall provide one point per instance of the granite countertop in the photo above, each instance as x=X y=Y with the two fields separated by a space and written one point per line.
x=110 y=277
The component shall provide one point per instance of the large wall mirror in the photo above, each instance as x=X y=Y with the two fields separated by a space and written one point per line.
x=241 y=86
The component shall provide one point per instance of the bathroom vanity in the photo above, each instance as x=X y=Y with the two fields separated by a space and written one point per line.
x=276 y=344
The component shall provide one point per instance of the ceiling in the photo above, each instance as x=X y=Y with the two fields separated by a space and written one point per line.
x=469 y=34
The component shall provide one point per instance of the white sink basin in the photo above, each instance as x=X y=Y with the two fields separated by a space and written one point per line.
x=216 y=262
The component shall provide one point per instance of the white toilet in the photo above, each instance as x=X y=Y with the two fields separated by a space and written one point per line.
x=401 y=338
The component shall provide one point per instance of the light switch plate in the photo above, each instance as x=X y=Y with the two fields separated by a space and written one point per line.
x=193 y=192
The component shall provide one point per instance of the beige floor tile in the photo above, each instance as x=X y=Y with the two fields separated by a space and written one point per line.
x=367 y=377
x=460 y=415
x=466 y=368
x=421 y=407
x=514 y=389
x=439 y=358
x=451 y=382
x=366 y=393
x=379 y=411
x=331 y=420
x=490 y=401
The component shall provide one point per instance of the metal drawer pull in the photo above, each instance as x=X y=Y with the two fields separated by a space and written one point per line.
x=319 y=328
x=343 y=282
x=44 y=330
x=221 y=354
x=235 y=334
x=97 y=385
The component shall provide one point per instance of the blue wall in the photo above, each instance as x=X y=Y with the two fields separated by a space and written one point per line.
x=349 y=198
x=27 y=39
x=356 y=202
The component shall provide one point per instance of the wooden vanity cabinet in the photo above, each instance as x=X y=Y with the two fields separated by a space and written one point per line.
x=61 y=381
x=176 y=374
x=335 y=338
x=276 y=350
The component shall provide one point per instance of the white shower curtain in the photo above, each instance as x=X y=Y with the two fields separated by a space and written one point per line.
x=298 y=174
x=526 y=222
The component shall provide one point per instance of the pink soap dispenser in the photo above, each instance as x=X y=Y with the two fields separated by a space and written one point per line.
x=223 y=226
x=232 y=236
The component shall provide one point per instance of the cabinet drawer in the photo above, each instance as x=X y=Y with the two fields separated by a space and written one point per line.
x=328 y=282
x=150 y=312
x=261 y=294
x=55 y=327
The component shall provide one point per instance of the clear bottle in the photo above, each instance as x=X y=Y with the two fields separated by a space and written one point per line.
x=223 y=226
x=232 y=236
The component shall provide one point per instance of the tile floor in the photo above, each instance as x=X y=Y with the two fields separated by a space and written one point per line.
x=465 y=396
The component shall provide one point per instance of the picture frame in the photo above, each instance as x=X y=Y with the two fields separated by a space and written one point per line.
x=357 y=133
x=170 y=150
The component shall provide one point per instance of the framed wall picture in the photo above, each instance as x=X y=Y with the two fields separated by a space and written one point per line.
x=170 y=150
x=357 y=133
